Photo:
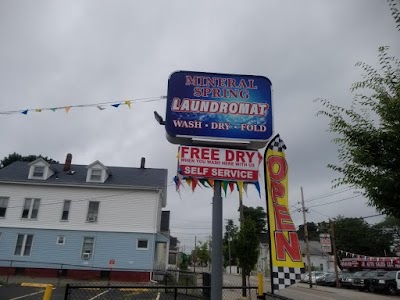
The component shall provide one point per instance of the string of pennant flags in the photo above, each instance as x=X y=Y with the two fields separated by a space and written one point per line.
x=100 y=106
x=365 y=257
x=193 y=183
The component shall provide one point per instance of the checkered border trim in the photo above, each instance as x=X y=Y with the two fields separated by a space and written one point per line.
x=277 y=144
x=283 y=277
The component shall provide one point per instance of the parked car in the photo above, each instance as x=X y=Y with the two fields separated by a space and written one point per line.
x=348 y=281
x=314 y=276
x=330 y=279
x=389 y=283
x=363 y=283
x=321 y=280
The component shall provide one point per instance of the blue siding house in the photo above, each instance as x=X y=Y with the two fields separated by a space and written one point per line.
x=82 y=221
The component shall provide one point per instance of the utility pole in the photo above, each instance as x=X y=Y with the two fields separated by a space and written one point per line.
x=194 y=259
x=306 y=237
x=334 y=253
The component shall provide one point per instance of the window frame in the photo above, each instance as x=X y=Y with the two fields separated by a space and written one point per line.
x=31 y=209
x=42 y=172
x=63 y=210
x=142 y=240
x=95 y=215
x=83 y=245
x=24 y=244
x=58 y=240
x=2 y=200
x=100 y=175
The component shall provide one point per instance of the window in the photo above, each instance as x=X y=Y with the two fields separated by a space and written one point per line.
x=60 y=240
x=65 y=212
x=93 y=211
x=142 y=244
x=3 y=206
x=95 y=175
x=38 y=171
x=31 y=208
x=24 y=245
x=87 y=247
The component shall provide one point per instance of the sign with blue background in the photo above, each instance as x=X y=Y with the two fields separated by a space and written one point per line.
x=218 y=107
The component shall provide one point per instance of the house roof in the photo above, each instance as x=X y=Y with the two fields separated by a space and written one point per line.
x=121 y=176
x=315 y=248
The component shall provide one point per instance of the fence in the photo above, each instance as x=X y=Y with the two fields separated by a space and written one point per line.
x=76 y=292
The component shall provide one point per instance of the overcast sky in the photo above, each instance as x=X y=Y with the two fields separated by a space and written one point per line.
x=60 y=53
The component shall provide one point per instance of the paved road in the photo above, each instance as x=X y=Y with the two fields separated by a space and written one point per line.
x=302 y=291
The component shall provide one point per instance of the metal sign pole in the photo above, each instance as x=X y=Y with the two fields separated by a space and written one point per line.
x=216 y=255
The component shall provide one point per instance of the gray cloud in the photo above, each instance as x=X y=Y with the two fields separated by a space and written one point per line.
x=57 y=53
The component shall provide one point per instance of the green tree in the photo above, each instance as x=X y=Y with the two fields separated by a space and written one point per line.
x=258 y=216
x=247 y=247
x=355 y=235
x=229 y=243
x=18 y=157
x=203 y=253
x=367 y=135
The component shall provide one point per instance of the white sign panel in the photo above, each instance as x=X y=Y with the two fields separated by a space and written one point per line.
x=218 y=163
x=325 y=239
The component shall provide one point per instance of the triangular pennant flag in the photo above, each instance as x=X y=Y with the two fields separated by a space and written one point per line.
x=245 y=187
x=128 y=102
x=116 y=105
x=195 y=181
x=257 y=185
x=240 y=187
x=25 y=112
x=231 y=186
x=53 y=109
x=188 y=181
x=100 y=107
x=225 y=186
x=211 y=182
x=203 y=182
x=177 y=182
x=67 y=108
x=38 y=110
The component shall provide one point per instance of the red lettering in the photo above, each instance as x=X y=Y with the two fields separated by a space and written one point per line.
x=231 y=82
x=184 y=151
x=190 y=80
x=240 y=156
x=214 y=154
x=195 y=153
x=289 y=246
x=282 y=170
x=277 y=190
x=282 y=218
x=230 y=155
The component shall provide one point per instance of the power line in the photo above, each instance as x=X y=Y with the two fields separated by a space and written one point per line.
x=334 y=201
x=327 y=195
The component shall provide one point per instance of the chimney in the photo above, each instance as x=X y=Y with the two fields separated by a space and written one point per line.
x=142 y=162
x=68 y=160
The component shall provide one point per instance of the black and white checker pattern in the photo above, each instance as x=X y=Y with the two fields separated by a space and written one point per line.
x=277 y=144
x=284 y=276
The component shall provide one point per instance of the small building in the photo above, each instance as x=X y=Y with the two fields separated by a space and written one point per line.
x=320 y=261
x=82 y=221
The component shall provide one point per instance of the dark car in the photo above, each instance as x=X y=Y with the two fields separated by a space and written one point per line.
x=363 y=283
x=386 y=283
x=321 y=280
x=348 y=281
x=344 y=279
x=330 y=280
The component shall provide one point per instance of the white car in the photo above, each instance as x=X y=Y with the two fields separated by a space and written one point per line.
x=314 y=276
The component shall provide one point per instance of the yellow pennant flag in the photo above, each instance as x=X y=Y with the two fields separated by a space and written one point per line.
x=128 y=102
x=67 y=108
x=286 y=259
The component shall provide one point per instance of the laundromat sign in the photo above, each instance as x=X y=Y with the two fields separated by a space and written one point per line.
x=219 y=107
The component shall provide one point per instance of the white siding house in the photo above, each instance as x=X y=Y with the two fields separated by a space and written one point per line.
x=78 y=219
